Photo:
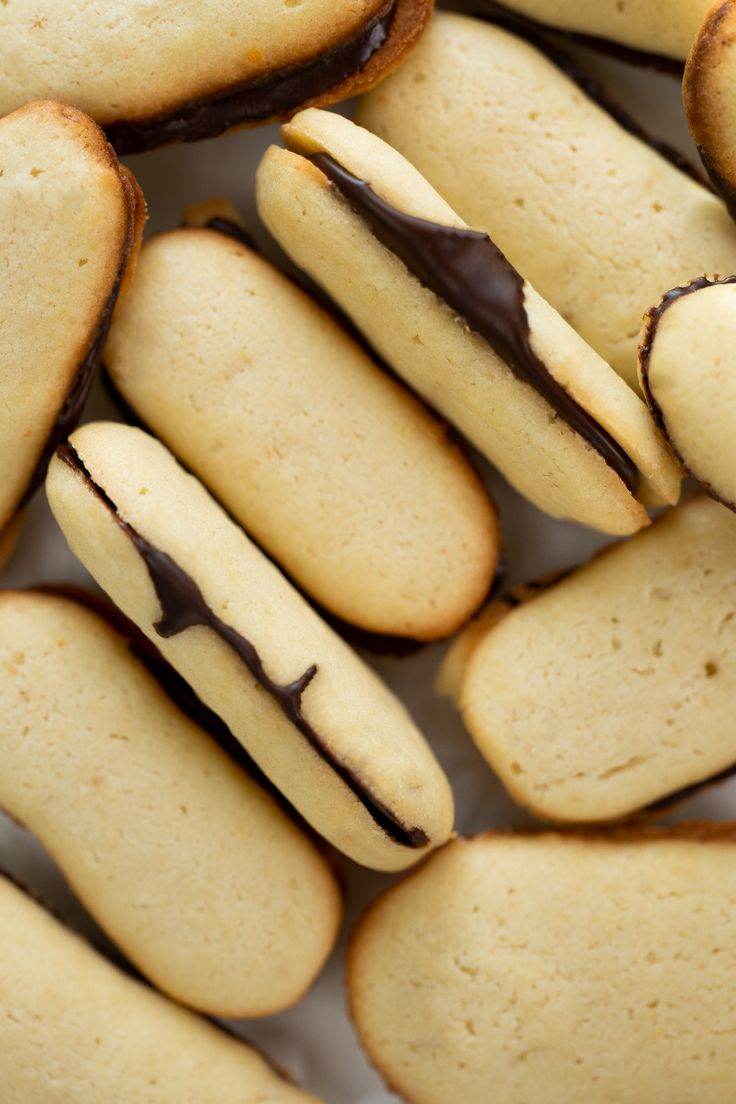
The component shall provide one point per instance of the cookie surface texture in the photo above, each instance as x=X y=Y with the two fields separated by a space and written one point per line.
x=556 y=969
x=69 y=219
x=75 y=1030
x=688 y=375
x=187 y=864
x=529 y=394
x=164 y=71
x=323 y=727
x=609 y=691
x=337 y=471
x=598 y=221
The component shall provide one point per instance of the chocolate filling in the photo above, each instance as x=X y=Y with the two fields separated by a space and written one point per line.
x=653 y=319
x=256 y=101
x=473 y=277
x=183 y=607
x=665 y=803
x=523 y=24
x=233 y=230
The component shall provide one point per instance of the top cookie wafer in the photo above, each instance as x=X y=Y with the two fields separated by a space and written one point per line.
x=165 y=71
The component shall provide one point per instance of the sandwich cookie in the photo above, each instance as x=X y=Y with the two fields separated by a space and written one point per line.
x=599 y=222
x=189 y=866
x=338 y=472
x=445 y=308
x=323 y=727
x=70 y=222
x=654 y=32
x=555 y=968
x=611 y=690
x=75 y=1030
x=688 y=375
x=191 y=69
x=709 y=95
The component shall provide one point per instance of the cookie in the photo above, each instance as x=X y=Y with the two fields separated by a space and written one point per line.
x=448 y=312
x=323 y=727
x=687 y=377
x=70 y=219
x=187 y=864
x=656 y=31
x=611 y=691
x=191 y=69
x=555 y=968
x=76 y=1030
x=339 y=473
x=598 y=221
x=709 y=95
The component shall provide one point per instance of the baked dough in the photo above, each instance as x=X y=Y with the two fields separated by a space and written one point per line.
x=598 y=221
x=323 y=727
x=337 y=471
x=186 y=863
x=423 y=336
x=555 y=969
x=75 y=1030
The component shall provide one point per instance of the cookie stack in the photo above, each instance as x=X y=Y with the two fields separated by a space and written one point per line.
x=492 y=276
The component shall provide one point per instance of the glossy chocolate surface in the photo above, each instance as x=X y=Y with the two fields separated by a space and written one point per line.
x=268 y=97
x=183 y=606
x=473 y=277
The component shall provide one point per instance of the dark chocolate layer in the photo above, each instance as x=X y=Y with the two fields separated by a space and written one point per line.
x=469 y=273
x=522 y=24
x=256 y=101
x=653 y=318
x=183 y=606
x=233 y=230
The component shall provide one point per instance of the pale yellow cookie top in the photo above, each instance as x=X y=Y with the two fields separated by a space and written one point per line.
x=612 y=689
x=555 y=969
x=149 y=56
x=594 y=218
x=76 y=1030
x=65 y=217
x=690 y=378
x=333 y=467
x=665 y=27
x=191 y=868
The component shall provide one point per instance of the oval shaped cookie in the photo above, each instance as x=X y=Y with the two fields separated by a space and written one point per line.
x=70 y=219
x=612 y=690
x=181 y=70
x=444 y=307
x=688 y=376
x=323 y=727
x=189 y=866
x=76 y=1030
x=654 y=28
x=339 y=473
x=555 y=968
x=709 y=95
x=598 y=221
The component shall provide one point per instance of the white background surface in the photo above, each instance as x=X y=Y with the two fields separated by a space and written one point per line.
x=315 y=1041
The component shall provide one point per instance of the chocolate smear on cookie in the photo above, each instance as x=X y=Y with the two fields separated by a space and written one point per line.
x=183 y=607
x=256 y=101
x=473 y=277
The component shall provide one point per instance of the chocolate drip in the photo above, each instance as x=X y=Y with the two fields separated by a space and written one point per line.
x=523 y=24
x=256 y=101
x=469 y=273
x=183 y=606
